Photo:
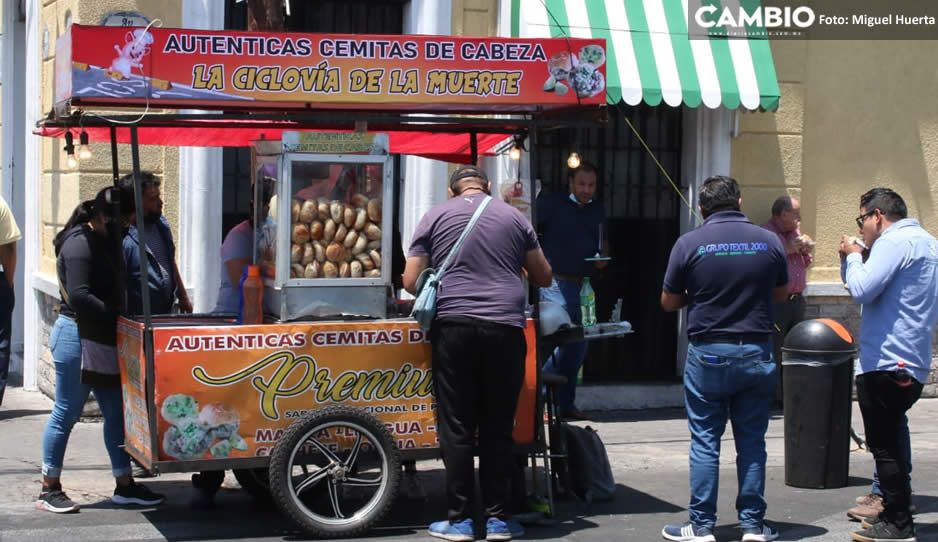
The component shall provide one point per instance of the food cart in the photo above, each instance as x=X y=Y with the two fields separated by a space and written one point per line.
x=320 y=403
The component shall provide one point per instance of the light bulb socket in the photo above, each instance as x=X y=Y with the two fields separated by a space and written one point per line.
x=70 y=159
x=84 y=150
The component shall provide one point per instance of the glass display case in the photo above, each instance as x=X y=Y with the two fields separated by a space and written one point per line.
x=325 y=234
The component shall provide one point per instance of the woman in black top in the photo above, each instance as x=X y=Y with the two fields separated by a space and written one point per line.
x=84 y=346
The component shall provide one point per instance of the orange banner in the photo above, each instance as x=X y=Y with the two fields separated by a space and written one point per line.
x=230 y=391
x=133 y=367
x=201 y=68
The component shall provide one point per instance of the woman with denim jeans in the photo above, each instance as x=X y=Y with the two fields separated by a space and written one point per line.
x=83 y=343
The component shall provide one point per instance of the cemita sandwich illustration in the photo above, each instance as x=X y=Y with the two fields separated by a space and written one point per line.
x=214 y=429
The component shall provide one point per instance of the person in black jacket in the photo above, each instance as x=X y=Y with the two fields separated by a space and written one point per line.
x=84 y=347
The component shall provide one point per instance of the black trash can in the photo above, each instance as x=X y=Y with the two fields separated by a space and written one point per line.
x=817 y=376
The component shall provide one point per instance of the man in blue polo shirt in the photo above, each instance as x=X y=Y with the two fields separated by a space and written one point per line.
x=728 y=272
x=570 y=226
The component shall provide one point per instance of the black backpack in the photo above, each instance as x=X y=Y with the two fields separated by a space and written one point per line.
x=585 y=471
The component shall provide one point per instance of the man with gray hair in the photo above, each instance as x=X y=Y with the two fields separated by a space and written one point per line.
x=799 y=252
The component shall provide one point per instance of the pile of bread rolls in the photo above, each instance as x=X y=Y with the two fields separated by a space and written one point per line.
x=332 y=239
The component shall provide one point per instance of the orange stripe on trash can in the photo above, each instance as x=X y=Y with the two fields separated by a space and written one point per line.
x=838 y=328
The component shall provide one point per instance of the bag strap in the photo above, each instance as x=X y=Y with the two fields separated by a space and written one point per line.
x=462 y=237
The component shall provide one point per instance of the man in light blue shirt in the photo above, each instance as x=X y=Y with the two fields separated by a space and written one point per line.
x=897 y=285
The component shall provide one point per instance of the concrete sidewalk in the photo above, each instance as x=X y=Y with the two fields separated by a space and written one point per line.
x=648 y=452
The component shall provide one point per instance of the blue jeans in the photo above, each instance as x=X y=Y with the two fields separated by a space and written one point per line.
x=70 y=397
x=905 y=450
x=568 y=359
x=736 y=381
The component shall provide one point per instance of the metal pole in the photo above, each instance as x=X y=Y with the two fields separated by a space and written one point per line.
x=473 y=148
x=114 y=168
x=144 y=288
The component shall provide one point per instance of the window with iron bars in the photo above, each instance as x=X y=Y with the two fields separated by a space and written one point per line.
x=643 y=212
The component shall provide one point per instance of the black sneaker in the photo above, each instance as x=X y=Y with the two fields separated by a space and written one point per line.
x=135 y=493
x=883 y=531
x=56 y=501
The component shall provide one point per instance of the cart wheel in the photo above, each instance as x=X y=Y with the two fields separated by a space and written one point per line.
x=335 y=472
x=255 y=482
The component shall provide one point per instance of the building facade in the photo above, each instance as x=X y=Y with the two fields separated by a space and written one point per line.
x=840 y=129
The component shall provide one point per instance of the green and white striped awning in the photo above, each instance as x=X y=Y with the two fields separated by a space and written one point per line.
x=650 y=56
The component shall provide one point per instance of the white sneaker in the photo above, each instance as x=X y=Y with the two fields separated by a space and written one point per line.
x=760 y=534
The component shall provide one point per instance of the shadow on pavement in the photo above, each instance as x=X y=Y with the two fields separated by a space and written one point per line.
x=21 y=413
x=236 y=515
x=786 y=531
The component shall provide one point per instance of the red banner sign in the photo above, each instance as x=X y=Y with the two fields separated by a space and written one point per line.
x=202 y=69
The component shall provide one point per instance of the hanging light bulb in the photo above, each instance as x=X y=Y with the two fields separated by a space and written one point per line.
x=70 y=160
x=573 y=161
x=515 y=152
x=84 y=150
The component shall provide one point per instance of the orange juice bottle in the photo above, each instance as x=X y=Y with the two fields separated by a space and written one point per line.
x=252 y=297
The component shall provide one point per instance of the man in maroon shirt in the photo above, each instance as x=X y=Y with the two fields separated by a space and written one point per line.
x=799 y=251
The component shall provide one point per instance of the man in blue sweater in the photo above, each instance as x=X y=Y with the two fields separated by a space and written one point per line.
x=897 y=285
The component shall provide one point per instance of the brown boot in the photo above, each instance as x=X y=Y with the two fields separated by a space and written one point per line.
x=872 y=508
x=867 y=500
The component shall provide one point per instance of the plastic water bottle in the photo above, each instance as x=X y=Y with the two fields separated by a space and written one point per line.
x=587 y=303
x=252 y=297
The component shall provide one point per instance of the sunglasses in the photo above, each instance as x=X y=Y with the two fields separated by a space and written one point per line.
x=862 y=218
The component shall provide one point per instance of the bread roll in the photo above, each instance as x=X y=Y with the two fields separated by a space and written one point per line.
x=355 y=269
x=373 y=232
x=350 y=216
x=300 y=234
x=315 y=230
x=309 y=254
x=323 y=210
x=359 y=200
x=344 y=270
x=361 y=218
x=295 y=211
x=350 y=239
x=373 y=245
x=366 y=261
x=330 y=270
x=336 y=253
x=360 y=244
x=296 y=271
x=340 y=232
x=319 y=250
x=373 y=274
x=337 y=212
x=308 y=212
x=328 y=231
x=296 y=253
x=375 y=257
x=312 y=271
x=374 y=210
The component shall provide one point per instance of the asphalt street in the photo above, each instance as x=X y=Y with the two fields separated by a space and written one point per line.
x=648 y=452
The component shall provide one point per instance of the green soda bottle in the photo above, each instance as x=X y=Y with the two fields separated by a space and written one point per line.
x=587 y=303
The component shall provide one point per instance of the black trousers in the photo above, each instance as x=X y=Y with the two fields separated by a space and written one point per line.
x=7 y=301
x=478 y=369
x=884 y=398
x=787 y=315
